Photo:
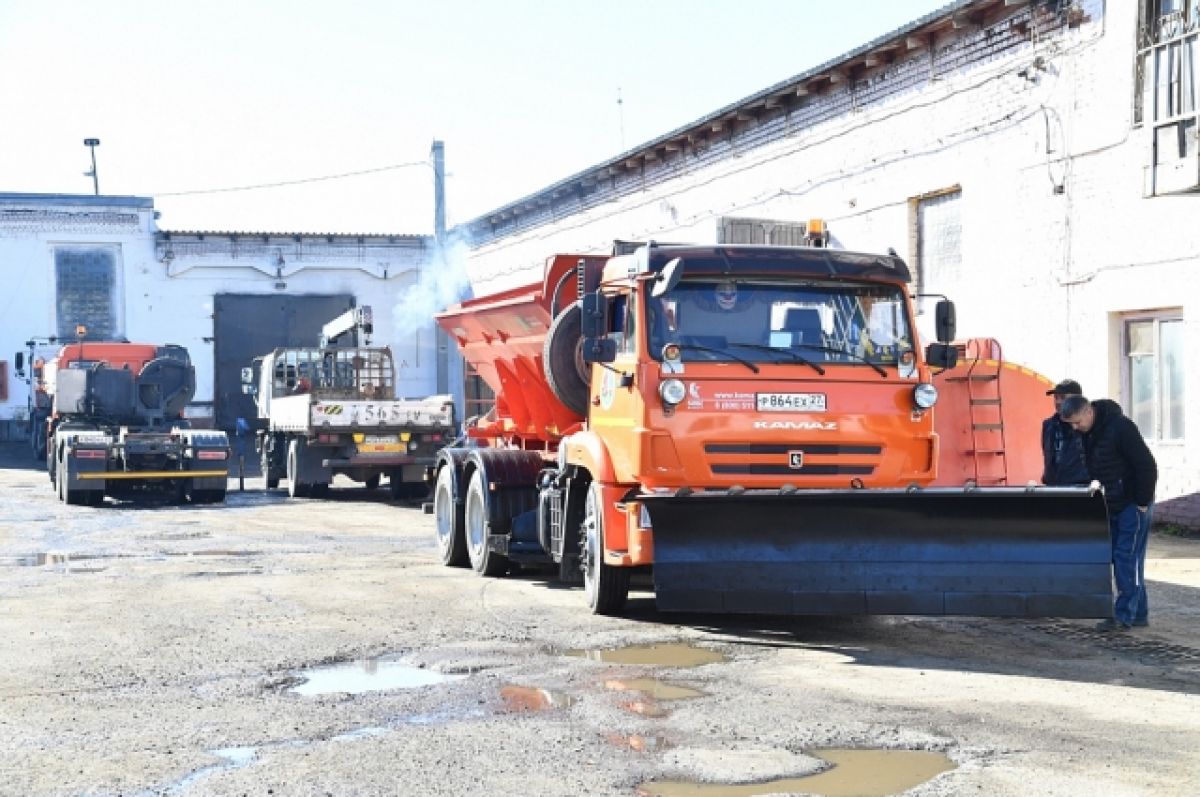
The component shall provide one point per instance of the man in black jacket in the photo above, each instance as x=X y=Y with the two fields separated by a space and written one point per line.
x=1118 y=458
x=1062 y=447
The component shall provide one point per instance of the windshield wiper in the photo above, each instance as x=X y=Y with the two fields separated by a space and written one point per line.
x=725 y=352
x=834 y=350
x=780 y=350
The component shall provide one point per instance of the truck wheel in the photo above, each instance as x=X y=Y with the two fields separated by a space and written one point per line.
x=566 y=372
x=269 y=473
x=372 y=482
x=484 y=561
x=606 y=587
x=296 y=488
x=449 y=519
x=37 y=439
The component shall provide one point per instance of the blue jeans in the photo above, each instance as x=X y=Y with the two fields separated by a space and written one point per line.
x=1130 y=531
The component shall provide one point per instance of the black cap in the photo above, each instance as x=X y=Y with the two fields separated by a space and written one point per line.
x=1067 y=387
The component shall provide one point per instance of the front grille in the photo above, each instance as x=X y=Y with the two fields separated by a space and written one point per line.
x=792 y=459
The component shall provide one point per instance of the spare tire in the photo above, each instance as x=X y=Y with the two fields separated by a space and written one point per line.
x=567 y=374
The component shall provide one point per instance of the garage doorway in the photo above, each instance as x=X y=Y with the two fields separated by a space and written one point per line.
x=246 y=326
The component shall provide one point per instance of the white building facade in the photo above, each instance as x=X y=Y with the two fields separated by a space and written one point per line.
x=100 y=261
x=1035 y=161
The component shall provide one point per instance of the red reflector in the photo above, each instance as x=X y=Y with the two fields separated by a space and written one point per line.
x=89 y=453
x=327 y=438
x=210 y=455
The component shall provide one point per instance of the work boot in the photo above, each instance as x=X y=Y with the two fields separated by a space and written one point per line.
x=1142 y=623
x=1110 y=625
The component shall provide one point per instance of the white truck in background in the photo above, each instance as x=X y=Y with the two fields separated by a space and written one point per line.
x=333 y=409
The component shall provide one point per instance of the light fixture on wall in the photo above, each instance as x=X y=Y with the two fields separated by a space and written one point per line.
x=279 y=264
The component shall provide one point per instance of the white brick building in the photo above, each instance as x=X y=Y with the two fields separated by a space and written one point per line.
x=1004 y=148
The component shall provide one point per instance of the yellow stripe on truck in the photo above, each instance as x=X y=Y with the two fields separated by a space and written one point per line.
x=153 y=474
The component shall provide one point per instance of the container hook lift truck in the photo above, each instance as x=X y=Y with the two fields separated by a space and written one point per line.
x=759 y=429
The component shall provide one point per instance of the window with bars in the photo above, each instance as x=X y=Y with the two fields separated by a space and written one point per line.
x=1166 y=100
x=86 y=292
x=1153 y=379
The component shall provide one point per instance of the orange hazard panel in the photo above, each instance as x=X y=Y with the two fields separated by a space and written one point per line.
x=3 y=380
x=989 y=419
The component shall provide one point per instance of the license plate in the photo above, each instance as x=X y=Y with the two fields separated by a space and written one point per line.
x=791 y=402
x=380 y=439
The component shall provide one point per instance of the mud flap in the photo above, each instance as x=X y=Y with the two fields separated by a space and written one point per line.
x=992 y=552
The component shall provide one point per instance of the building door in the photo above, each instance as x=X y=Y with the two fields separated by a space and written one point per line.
x=246 y=326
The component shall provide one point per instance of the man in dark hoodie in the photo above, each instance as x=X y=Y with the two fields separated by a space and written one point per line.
x=1062 y=447
x=1118 y=458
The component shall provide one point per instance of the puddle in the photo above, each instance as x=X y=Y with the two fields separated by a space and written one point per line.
x=234 y=758
x=667 y=655
x=654 y=688
x=254 y=571
x=639 y=743
x=367 y=675
x=855 y=773
x=529 y=698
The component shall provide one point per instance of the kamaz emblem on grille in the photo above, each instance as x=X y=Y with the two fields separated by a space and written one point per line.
x=808 y=426
x=795 y=459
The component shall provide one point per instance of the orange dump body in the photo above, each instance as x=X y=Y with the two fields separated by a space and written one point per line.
x=117 y=355
x=502 y=336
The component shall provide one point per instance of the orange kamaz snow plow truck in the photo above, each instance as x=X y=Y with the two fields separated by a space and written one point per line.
x=759 y=428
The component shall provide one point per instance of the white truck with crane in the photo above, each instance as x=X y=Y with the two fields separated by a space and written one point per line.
x=333 y=409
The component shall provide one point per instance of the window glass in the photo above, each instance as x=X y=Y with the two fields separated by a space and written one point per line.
x=764 y=321
x=1172 y=379
x=86 y=292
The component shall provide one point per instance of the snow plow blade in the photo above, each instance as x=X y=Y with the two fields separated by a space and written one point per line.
x=988 y=552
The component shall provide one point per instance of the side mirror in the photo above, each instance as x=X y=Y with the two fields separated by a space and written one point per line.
x=594 y=320
x=668 y=278
x=19 y=364
x=941 y=355
x=598 y=350
x=945 y=321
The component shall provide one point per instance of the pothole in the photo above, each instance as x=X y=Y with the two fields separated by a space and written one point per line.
x=665 y=655
x=654 y=688
x=530 y=698
x=855 y=773
x=367 y=675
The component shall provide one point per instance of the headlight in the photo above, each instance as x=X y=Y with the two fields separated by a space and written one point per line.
x=672 y=391
x=925 y=395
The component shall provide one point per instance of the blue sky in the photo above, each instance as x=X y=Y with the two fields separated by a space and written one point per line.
x=189 y=97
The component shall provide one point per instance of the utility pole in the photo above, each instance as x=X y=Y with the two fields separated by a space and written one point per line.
x=92 y=143
x=438 y=153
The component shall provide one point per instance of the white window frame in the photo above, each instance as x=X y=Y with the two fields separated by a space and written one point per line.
x=1157 y=318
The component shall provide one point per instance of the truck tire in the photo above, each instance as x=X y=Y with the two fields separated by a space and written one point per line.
x=484 y=561
x=269 y=473
x=37 y=439
x=69 y=496
x=296 y=487
x=566 y=372
x=606 y=587
x=448 y=519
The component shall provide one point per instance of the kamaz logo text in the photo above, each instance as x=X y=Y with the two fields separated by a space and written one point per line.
x=808 y=426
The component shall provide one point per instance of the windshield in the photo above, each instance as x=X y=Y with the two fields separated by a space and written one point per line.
x=765 y=321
